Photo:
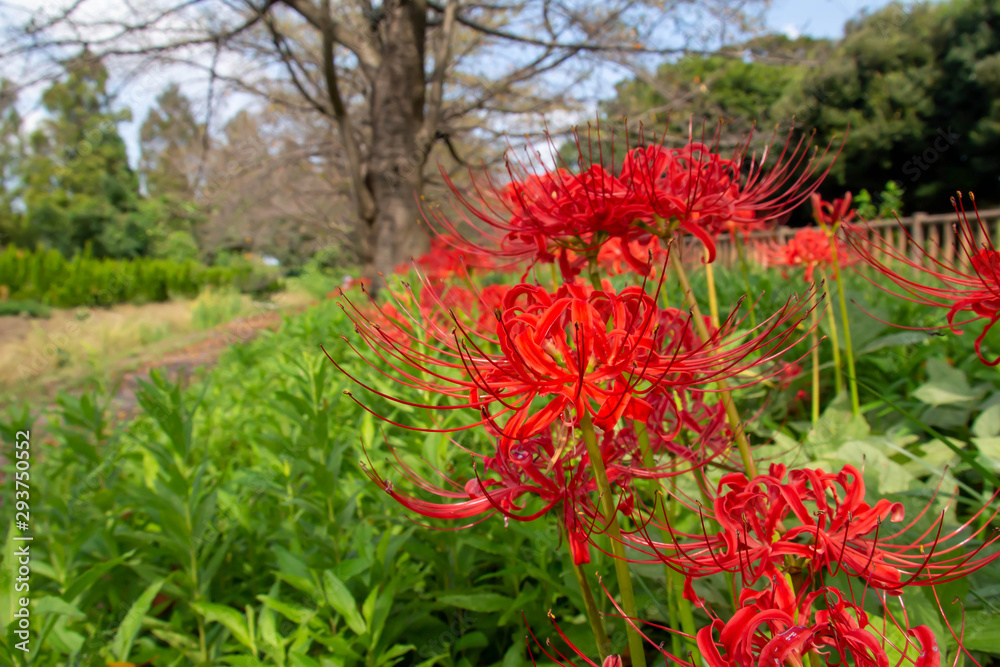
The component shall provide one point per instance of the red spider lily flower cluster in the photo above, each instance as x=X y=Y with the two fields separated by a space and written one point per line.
x=967 y=293
x=535 y=370
x=444 y=260
x=556 y=215
x=556 y=470
x=820 y=522
x=774 y=626
x=616 y=260
x=577 y=351
x=592 y=395
x=831 y=214
x=782 y=532
x=809 y=248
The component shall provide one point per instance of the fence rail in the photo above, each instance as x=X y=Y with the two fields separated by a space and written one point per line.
x=935 y=233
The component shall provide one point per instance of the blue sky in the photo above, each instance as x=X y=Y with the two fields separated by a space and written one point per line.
x=818 y=18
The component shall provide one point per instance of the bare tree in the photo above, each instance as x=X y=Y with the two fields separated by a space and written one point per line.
x=396 y=78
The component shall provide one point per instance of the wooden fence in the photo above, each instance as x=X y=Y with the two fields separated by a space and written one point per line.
x=934 y=233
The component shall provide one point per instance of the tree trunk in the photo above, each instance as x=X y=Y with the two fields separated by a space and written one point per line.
x=395 y=165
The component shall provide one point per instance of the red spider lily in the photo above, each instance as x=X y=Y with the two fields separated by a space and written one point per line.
x=787 y=374
x=562 y=659
x=774 y=627
x=577 y=351
x=821 y=522
x=555 y=470
x=974 y=291
x=744 y=226
x=809 y=248
x=616 y=259
x=831 y=214
x=697 y=190
x=445 y=260
x=704 y=425
x=552 y=216
x=441 y=303
x=544 y=216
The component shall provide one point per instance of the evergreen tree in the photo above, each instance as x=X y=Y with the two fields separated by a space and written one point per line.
x=12 y=224
x=78 y=188
x=171 y=142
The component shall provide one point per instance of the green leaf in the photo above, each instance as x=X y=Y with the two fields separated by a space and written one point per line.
x=946 y=386
x=340 y=598
x=513 y=657
x=481 y=602
x=987 y=424
x=121 y=645
x=989 y=449
x=50 y=604
x=304 y=584
x=389 y=657
x=982 y=632
x=893 y=340
x=234 y=621
x=302 y=660
x=241 y=660
x=475 y=639
x=87 y=579
x=294 y=613
x=350 y=568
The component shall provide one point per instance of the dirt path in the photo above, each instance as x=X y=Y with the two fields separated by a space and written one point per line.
x=179 y=354
x=187 y=359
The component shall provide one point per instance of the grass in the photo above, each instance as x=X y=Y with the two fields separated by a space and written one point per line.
x=230 y=522
x=75 y=345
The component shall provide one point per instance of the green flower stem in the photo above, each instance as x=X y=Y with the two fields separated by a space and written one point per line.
x=595 y=276
x=593 y=615
x=675 y=598
x=614 y=532
x=735 y=423
x=746 y=277
x=815 y=361
x=713 y=298
x=852 y=378
x=834 y=338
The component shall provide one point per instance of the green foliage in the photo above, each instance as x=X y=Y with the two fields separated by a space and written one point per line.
x=229 y=522
x=171 y=142
x=741 y=85
x=236 y=527
x=77 y=186
x=68 y=184
x=22 y=308
x=882 y=205
x=47 y=276
x=915 y=83
x=215 y=307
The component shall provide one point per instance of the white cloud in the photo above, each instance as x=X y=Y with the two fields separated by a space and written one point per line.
x=791 y=31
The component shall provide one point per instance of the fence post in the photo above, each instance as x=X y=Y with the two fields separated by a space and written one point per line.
x=949 y=244
x=917 y=234
x=934 y=241
x=901 y=234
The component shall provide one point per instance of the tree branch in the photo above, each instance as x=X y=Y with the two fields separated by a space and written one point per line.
x=442 y=55
x=364 y=201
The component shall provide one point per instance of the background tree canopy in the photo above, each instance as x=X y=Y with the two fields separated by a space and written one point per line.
x=917 y=85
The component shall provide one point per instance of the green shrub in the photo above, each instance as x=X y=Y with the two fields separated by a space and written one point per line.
x=215 y=307
x=32 y=308
x=48 y=277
